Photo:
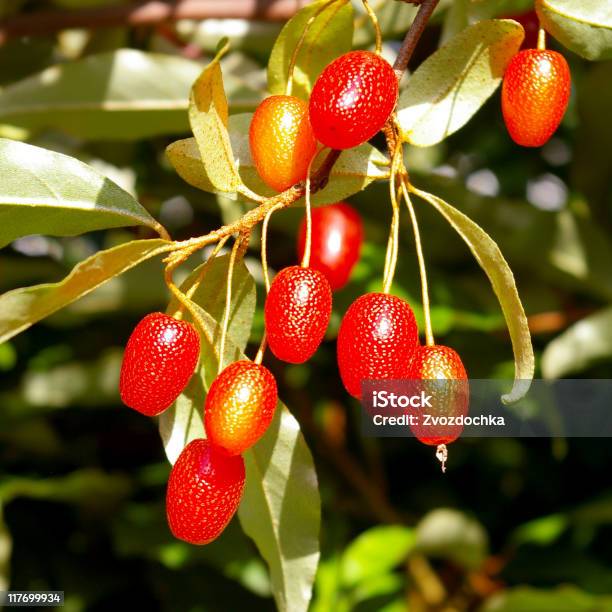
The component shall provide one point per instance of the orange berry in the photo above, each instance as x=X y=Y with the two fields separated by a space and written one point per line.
x=535 y=94
x=239 y=406
x=281 y=140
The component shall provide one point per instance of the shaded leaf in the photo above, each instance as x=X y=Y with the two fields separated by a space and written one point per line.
x=124 y=94
x=451 y=534
x=6 y=548
x=355 y=169
x=583 y=26
x=581 y=345
x=375 y=552
x=492 y=261
x=43 y=192
x=318 y=33
x=526 y=599
x=21 y=308
x=208 y=114
x=449 y=87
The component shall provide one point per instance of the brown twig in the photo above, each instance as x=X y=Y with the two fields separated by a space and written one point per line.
x=413 y=35
x=145 y=13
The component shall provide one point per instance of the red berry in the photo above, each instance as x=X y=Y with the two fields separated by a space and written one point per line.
x=281 y=140
x=337 y=234
x=376 y=340
x=204 y=490
x=239 y=406
x=352 y=99
x=160 y=358
x=431 y=365
x=535 y=94
x=531 y=24
x=297 y=312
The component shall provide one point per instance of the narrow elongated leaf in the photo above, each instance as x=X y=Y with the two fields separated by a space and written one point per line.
x=316 y=34
x=280 y=509
x=124 y=94
x=584 y=26
x=579 y=346
x=208 y=115
x=490 y=258
x=21 y=308
x=453 y=83
x=355 y=169
x=42 y=192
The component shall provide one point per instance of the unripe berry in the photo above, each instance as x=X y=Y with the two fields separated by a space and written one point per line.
x=281 y=141
x=535 y=95
x=352 y=99
x=160 y=358
x=204 y=490
x=297 y=312
x=376 y=340
x=337 y=234
x=443 y=377
x=239 y=406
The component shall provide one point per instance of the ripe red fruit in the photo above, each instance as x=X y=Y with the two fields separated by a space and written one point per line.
x=337 y=234
x=531 y=24
x=204 y=490
x=352 y=99
x=239 y=406
x=376 y=340
x=160 y=358
x=443 y=377
x=535 y=95
x=281 y=140
x=297 y=312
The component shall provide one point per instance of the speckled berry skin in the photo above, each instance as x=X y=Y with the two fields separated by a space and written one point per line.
x=352 y=99
x=297 y=312
x=431 y=365
x=282 y=141
x=337 y=235
x=535 y=95
x=160 y=358
x=239 y=406
x=204 y=490
x=376 y=340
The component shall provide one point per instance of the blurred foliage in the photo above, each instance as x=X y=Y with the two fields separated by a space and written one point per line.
x=513 y=526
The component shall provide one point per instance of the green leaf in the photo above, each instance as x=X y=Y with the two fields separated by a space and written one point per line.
x=124 y=94
x=583 y=26
x=543 y=531
x=355 y=169
x=280 y=509
x=208 y=114
x=42 y=192
x=21 y=308
x=526 y=599
x=581 y=345
x=317 y=34
x=451 y=534
x=449 y=87
x=375 y=552
x=182 y=423
x=491 y=260
x=6 y=547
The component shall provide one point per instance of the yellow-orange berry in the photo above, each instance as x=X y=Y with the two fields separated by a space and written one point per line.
x=282 y=141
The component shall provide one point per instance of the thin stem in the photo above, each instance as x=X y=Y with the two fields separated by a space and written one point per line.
x=298 y=46
x=413 y=35
x=261 y=350
x=184 y=301
x=308 y=245
x=228 y=300
x=392 y=245
x=264 y=246
x=375 y=25
x=429 y=337
x=542 y=39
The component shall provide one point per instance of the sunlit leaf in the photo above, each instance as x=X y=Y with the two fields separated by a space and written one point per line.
x=42 y=192
x=584 y=26
x=316 y=34
x=490 y=258
x=526 y=599
x=21 y=308
x=449 y=87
